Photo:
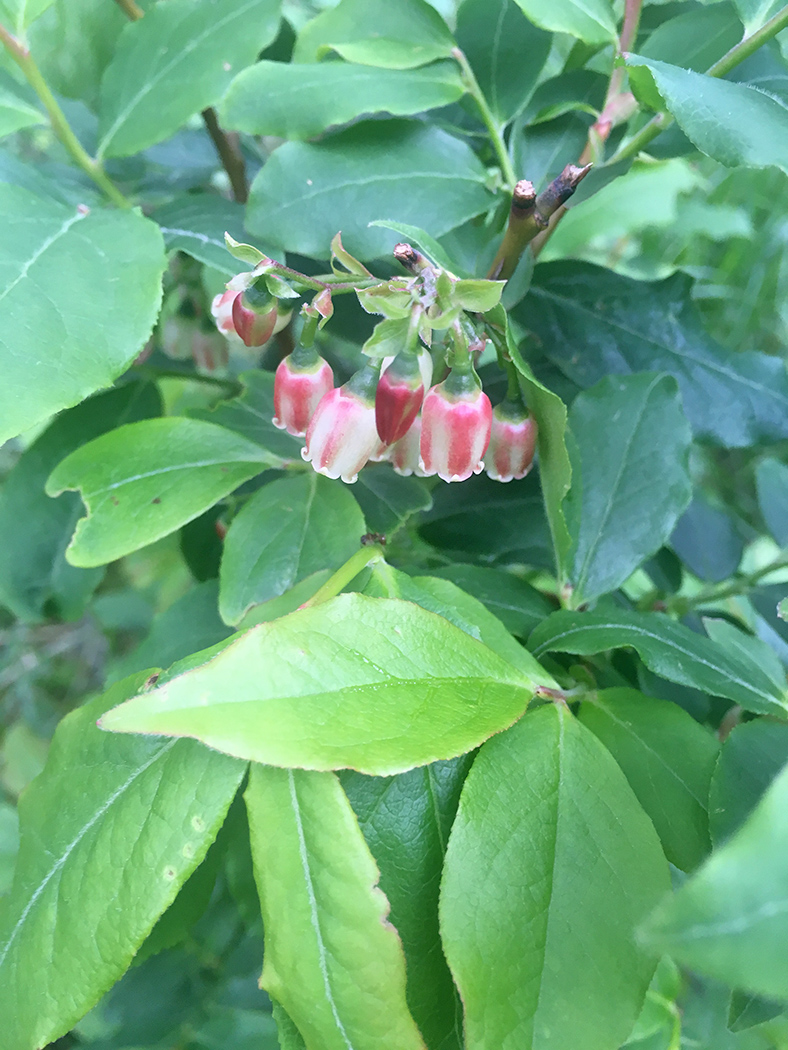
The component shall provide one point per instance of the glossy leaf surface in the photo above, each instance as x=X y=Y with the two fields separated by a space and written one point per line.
x=591 y=21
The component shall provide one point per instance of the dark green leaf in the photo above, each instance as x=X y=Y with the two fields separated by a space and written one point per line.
x=70 y=270
x=81 y=899
x=542 y=149
x=771 y=477
x=174 y=63
x=751 y=757
x=421 y=239
x=669 y=649
x=144 y=480
x=36 y=529
x=288 y=530
x=549 y=850
x=668 y=760
x=747 y=1010
x=406 y=821
x=695 y=39
x=419 y=173
x=505 y=50
x=331 y=959
x=633 y=479
x=707 y=541
x=518 y=605
x=621 y=326
x=196 y=223
x=299 y=101
x=387 y=687
x=388 y=499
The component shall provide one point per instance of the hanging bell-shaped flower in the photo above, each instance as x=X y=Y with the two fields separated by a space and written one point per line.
x=400 y=394
x=256 y=315
x=222 y=305
x=302 y=379
x=455 y=426
x=404 y=454
x=342 y=434
x=512 y=442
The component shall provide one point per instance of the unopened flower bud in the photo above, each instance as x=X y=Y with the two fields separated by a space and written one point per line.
x=302 y=379
x=342 y=434
x=512 y=442
x=255 y=315
x=400 y=394
x=222 y=305
x=455 y=427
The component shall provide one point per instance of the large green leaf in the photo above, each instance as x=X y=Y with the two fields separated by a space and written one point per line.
x=633 y=479
x=299 y=101
x=505 y=50
x=406 y=822
x=18 y=14
x=196 y=224
x=82 y=901
x=771 y=477
x=144 y=480
x=730 y=920
x=551 y=864
x=669 y=649
x=696 y=38
x=751 y=757
x=35 y=578
x=668 y=760
x=518 y=605
x=590 y=20
x=173 y=63
x=388 y=499
x=16 y=112
x=754 y=13
x=404 y=35
x=387 y=687
x=733 y=123
x=331 y=958
x=735 y=399
x=708 y=541
x=70 y=269
x=287 y=531
x=419 y=173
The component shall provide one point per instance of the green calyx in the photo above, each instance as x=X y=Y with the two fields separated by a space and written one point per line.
x=511 y=409
x=258 y=298
x=364 y=383
x=304 y=358
x=462 y=381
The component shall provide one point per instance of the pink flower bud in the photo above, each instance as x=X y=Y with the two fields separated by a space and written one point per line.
x=400 y=394
x=512 y=442
x=302 y=379
x=222 y=305
x=404 y=454
x=255 y=315
x=455 y=427
x=342 y=434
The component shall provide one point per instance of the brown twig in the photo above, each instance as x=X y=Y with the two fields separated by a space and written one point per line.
x=228 y=147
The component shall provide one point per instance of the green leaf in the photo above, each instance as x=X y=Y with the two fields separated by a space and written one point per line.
x=708 y=541
x=506 y=52
x=421 y=174
x=418 y=237
x=732 y=123
x=289 y=1036
x=732 y=398
x=288 y=530
x=196 y=224
x=748 y=646
x=550 y=851
x=16 y=113
x=387 y=687
x=751 y=757
x=747 y=1010
x=668 y=760
x=173 y=63
x=633 y=479
x=518 y=605
x=35 y=578
x=388 y=499
x=300 y=101
x=406 y=822
x=666 y=647
x=144 y=480
x=754 y=13
x=730 y=920
x=18 y=14
x=70 y=269
x=477 y=294
x=331 y=958
x=404 y=35
x=771 y=477
x=589 y=20
x=696 y=38
x=81 y=898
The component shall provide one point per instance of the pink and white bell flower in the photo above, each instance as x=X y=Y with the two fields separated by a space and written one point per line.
x=456 y=420
x=404 y=454
x=400 y=394
x=302 y=379
x=342 y=434
x=222 y=305
x=510 y=455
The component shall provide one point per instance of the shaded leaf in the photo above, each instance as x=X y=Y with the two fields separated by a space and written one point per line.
x=707 y=541
x=751 y=757
x=771 y=477
x=388 y=499
x=196 y=223
x=518 y=605
x=590 y=20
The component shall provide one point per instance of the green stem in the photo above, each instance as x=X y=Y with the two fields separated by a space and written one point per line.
x=363 y=557
x=60 y=125
x=738 y=586
x=472 y=86
x=315 y=283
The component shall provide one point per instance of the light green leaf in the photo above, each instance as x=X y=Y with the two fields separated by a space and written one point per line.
x=18 y=14
x=478 y=295
x=589 y=20
x=144 y=480
x=300 y=101
x=81 y=899
x=287 y=531
x=668 y=760
x=331 y=958
x=387 y=687
x=633 y=480
x=730 y=921
x=771 y=477
x=420 y=239
x=404 y=35
x=173 y=63
x=748 y=646
x=72 y=270
x=550 y=867
x=755 y=13
x=421 y=174
x=696 y=38
x=287 y=1033
x=751 y=757
x=15 y=113
x=669 y=649
x=732 y=123
x=196 y=224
